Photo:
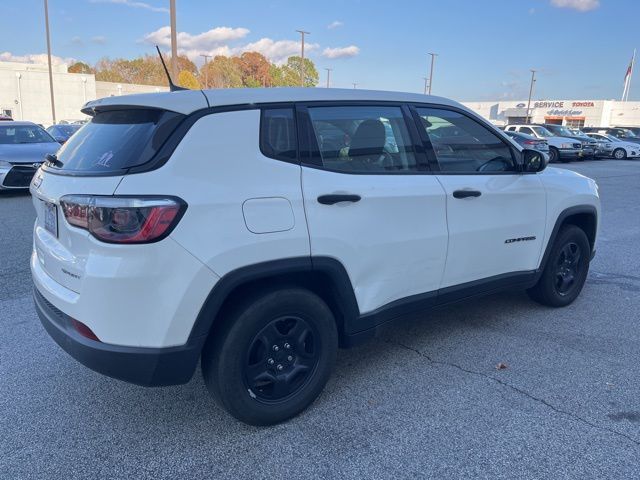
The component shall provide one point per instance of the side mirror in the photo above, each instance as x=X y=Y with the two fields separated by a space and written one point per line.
x=533 y=160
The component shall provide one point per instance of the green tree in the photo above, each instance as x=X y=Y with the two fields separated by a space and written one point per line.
x=221 y=72
x=291 y=72
x=188 y=80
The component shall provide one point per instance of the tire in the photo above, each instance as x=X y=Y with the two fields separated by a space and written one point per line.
x=619 y=154
x=258 y=383
x=554 y=155
x=564 y=275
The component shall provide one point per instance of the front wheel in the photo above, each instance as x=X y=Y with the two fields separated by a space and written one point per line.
x=566 y=269
x=273 y=357
x=619 y=154
x=554 y=155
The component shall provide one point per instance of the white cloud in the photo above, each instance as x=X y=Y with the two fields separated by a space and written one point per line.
x=341 y=52
x=220 y=41
x=40 y=58
x=204 y=42
x=99 y=40
x=335 y=24
x=76 y=41
x=134 y=4
x=580 y=5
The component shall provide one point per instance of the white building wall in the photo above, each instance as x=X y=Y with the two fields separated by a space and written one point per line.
x=24 y=91
x=594 y=113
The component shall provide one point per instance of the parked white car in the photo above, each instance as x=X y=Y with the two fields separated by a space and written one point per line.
x=562 y=149
x=259 y=229
x=616 y=148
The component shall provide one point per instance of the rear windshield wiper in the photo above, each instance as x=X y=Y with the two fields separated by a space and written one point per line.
x=52 y=158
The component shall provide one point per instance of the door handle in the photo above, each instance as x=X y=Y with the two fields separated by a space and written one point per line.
x=466 y=193
x=337 y=198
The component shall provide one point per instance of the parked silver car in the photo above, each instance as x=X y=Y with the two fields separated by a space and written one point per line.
x=23 y=147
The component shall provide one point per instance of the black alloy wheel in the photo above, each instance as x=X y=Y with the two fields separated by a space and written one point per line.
x=281 y=358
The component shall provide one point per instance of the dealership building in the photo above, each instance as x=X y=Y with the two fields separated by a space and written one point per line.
x=574 y=113
x=24 y=91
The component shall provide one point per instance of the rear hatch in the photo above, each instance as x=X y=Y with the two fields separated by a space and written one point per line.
x=118 y=140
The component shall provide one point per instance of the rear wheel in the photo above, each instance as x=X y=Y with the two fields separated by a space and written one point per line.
x=273 y=357
x=566 y=270
x=619 y=154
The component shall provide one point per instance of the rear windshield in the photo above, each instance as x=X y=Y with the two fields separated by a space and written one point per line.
x=117 y=140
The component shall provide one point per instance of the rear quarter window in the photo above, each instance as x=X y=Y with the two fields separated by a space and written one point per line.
x=117 y=140
x=278 y=134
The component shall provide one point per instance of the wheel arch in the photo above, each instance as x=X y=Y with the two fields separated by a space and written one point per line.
x=582 y=216
x=324 y=276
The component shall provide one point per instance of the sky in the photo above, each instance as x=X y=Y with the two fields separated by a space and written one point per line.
x=580 y=48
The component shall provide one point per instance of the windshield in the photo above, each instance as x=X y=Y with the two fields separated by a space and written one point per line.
x=543 y=132
x=67 y=130
x=563 y=131
x=19 y=134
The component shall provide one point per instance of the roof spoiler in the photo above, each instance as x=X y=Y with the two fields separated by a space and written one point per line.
x=172 y=86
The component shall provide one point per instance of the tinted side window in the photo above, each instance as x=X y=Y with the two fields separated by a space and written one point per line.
x=463 y=145
x=363 y=139
x=527 y=130
x=278 y=134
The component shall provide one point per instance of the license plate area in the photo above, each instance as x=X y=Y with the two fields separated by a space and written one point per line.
x=51 y=218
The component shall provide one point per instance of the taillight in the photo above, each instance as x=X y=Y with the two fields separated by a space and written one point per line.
x=123 y=219
x=530 y=142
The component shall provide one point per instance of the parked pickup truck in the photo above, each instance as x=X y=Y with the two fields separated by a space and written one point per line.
x=562 y=149
x=589 y=145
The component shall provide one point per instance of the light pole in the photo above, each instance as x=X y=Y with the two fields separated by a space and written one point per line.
x=46 y=22
x=174 y=40
x=206 y=73
x=328 y=76
x=18 y=77
x=302 y=34
x=433 y=60
x=354 y=85
x=426 y=84
x=533 y=79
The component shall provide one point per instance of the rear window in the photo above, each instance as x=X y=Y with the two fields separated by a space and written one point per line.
x=117 y=140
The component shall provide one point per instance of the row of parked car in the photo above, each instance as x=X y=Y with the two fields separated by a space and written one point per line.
x=24 y=146
x=565 y=144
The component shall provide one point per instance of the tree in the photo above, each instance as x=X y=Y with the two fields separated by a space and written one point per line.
x=80 y=67
x=254 y=68
x=145 y=70
x=291 y=72
x=188 y=80
x=221 y=72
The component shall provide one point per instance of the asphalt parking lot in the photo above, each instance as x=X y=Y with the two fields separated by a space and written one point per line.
x=424 y=399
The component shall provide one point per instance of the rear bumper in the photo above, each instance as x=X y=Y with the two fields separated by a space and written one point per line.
x=142 y=366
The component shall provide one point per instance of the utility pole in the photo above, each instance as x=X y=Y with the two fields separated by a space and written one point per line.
x=302 y=33
x=206 y=73
x=174 y=41
x=426 y=84
x=328 y=76
x=46 y=22
x=433 y=60
x=533 y=80
x=354 y=85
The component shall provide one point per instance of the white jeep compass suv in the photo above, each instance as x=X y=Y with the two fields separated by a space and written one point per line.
x=260 y=229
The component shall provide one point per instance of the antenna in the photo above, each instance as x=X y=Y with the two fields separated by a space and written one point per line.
x=172 y=86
